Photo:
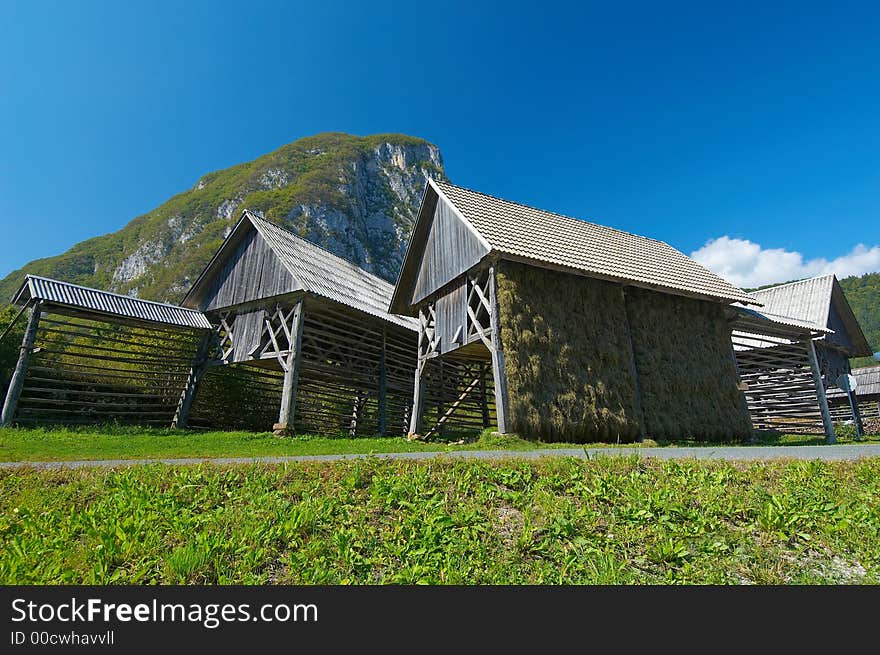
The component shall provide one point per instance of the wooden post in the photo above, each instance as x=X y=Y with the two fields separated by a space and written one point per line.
x=484 y=399
x=196 y=372
x=741 y=388
x=820 y=392
x=633 y=367
x=415 y=418
x=441 y=387
x=24 y=355
x=291 y=371
x=382 y=426
x=498 y=370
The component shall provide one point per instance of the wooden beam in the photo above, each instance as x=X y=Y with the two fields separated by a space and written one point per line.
x=18 y=375
x=484 y=400
x=291 y=372
x=498 y=369
x=418 y=408
x=820 y=392
x=382 y=426
x=196 y=372
x=441 y=422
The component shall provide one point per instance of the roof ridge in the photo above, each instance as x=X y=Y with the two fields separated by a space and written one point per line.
x=793 y=282
x=553 y=213
x=111 y=293
x=350 y=263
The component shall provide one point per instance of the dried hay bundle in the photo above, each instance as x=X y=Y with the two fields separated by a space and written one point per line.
x=687 y=375
x=567 y=356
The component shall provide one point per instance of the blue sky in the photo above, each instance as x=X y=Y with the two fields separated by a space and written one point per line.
x=753 y=128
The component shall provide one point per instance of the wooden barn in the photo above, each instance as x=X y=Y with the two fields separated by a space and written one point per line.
x=790 y=368
x=590 y=333
x=276 y=331
x=821 y=301
x=779 y=371
x=297 y=322
x=90 y=356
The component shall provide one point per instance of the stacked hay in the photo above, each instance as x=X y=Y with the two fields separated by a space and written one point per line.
x=687 y=376
x=567 y=356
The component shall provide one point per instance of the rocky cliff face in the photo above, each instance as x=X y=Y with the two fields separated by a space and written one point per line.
x=356 y=196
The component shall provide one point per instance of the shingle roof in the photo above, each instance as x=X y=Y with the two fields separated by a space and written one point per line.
x=328 y=275
x=86 y=299
x=809 y=300
x=518 y=230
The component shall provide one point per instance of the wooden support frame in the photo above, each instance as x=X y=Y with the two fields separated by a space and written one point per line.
x=16 y=383
x=291 y=366
x=426 y=348
x=482 y=325
x=196 y=372
x=780 y=376
x=830 y=437
x=382 y=422
x=484 y=400
x=497 y=351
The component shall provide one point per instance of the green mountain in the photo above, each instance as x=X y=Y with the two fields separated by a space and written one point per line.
x=356 y=196
x=863 y=294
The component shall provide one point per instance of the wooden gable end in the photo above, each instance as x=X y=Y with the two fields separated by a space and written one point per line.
x=848 y=334
x=841 y=336
x=451 y=248
x=251 y=271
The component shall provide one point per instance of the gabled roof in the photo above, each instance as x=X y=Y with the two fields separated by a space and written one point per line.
x=95 y=301
x=315 y=270
x=812 y=300
x=544 y=238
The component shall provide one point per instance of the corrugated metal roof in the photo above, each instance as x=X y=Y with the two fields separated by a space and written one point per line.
x=328 y=275
x=542 y=236
x=786 y=321
x=104 y=302
x=809 y=300
x=867 y=382
x=812 y=300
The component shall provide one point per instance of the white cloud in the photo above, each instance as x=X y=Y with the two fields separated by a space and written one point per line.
x=747 y=264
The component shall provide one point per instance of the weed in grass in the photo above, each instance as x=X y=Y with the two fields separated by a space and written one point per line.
x=561 y=520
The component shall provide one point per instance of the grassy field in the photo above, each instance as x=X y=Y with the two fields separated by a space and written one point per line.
x=556 y=520
x=44 y=444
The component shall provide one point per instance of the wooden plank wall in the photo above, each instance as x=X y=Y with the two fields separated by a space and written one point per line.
x=451 y=249
x=338 y=390
x=841 y=334
x=237 y=397
x=451 y=311
x=97 y=371
x=252 y=272
x=781 y=394
x=246 y=333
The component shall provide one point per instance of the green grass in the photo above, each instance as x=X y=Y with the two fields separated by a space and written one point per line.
x=109 y=442
x=557 y=520
x=121 y=442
